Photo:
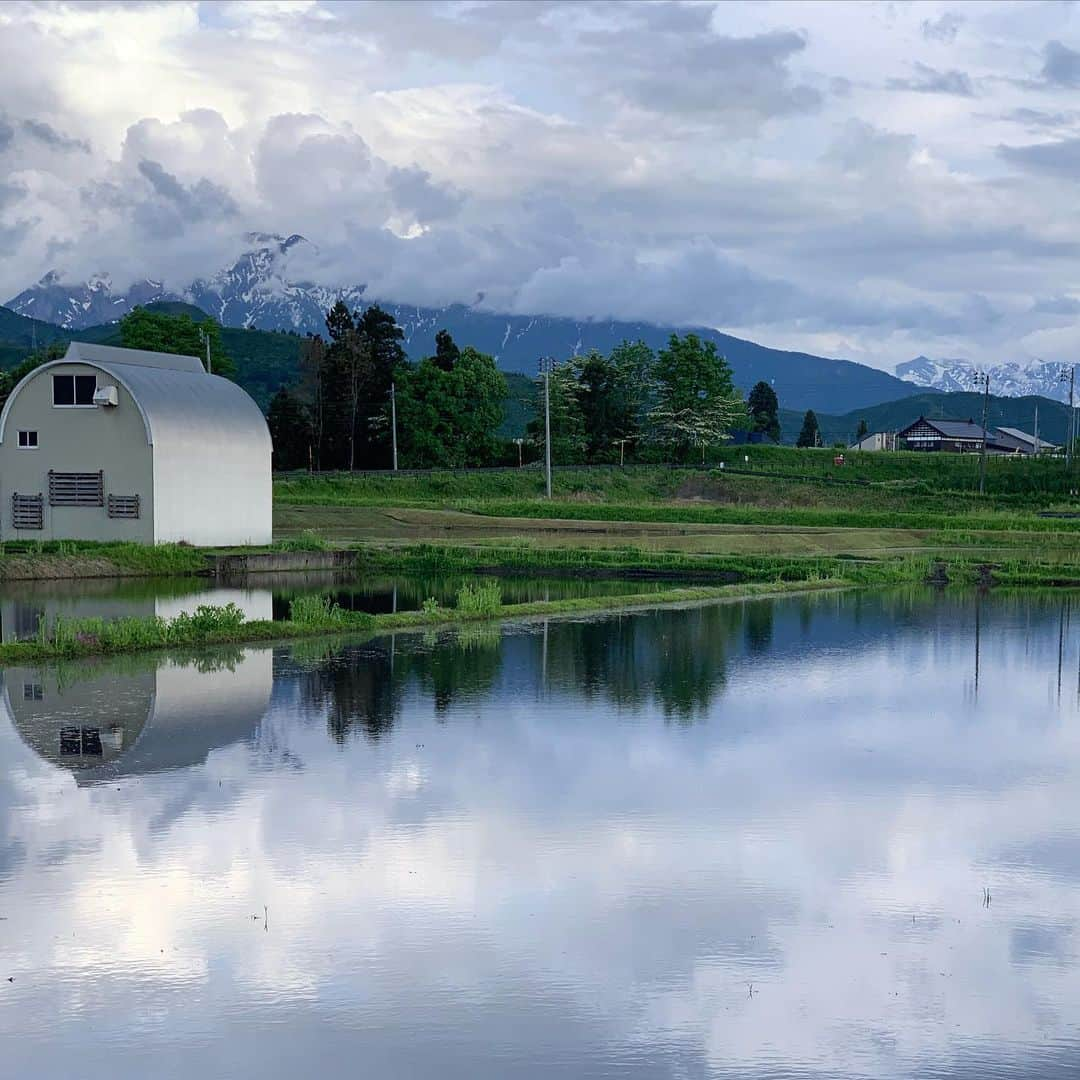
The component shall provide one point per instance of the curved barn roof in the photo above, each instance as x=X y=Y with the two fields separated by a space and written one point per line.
x=178 y=400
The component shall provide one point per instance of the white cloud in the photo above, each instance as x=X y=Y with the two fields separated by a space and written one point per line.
x=802 y=174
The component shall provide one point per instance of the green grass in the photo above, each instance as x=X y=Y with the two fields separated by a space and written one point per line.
x=69 y=639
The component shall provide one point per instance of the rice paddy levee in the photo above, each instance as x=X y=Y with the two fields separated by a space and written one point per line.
x=312 y=616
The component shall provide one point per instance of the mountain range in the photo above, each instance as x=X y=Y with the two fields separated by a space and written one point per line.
x=258 y=292
x=1008 y=379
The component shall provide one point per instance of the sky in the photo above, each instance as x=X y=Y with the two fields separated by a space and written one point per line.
x=873 y=181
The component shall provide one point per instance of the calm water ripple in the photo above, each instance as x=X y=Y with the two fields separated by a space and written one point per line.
x=835 y=836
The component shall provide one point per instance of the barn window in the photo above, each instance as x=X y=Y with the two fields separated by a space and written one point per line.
x=79 y=742
x=76 y=488
x=73 y=391
x=28 y=440
x=123 y=506
x=33 y=691
x=28 y=511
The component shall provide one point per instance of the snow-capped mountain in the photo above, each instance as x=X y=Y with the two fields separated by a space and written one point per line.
x=267 y=288
x=1008 y=379
x=87 y=304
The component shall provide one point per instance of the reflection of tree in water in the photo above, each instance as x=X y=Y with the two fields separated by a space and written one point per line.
x=675 y=658
x=361 y=688
x=759 y=625
x=357 y=689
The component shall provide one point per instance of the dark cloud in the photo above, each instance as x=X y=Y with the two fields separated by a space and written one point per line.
x=1061 y=65
x=928 y=80
x=1042 y=118
x=1061 y=158
x=944 y=28
x=667 y=59
x=7 y=133
x=47 y=134
x=414 y=193
x=196 y=203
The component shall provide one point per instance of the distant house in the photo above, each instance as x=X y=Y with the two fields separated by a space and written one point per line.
x=948 y=436
x=121 y=444
x=1013 y=440
x=877 y=440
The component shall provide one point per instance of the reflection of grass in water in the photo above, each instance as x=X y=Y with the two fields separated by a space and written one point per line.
x=479 y=636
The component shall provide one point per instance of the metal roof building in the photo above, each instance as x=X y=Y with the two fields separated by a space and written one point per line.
x=122 y=444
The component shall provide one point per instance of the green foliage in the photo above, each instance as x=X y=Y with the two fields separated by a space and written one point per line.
x=448 y=413
x=316 y=610
x=479 y=598
x=308 y=540
x=290 y=431
x=568 y=438
x=158 y=331
x=10 y=379
x=613 y=394
x=862 y=431
x=810 y=435
x=696 y=404
x=430 y=606
x=764 y=410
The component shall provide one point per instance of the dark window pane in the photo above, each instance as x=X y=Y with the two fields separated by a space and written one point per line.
x=70 y=741
x=63 y=389
x=91 y=741
x=85 y=385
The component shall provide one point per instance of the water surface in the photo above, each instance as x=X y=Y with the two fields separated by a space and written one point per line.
x=749 y=840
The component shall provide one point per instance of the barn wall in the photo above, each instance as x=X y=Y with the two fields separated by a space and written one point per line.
x=112 y=439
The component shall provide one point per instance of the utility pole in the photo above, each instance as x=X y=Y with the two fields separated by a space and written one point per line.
x=393 y=422
x=206 y=339
x=546 y=365
x=1036 y=429
x=1070 y=427
x=983 y=378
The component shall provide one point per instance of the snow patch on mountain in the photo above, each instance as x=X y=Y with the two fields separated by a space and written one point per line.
x=1007 y=379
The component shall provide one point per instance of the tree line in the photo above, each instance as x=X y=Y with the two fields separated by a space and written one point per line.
x=635 y=404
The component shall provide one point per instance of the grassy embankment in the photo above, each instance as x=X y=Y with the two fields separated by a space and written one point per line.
x=314 y=616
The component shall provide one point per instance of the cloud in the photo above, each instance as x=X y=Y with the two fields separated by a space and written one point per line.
x=1061 y=158
x=1061 y=65
x=944 y=28
x=47 y=134
x=731 y=164
x=928 y=80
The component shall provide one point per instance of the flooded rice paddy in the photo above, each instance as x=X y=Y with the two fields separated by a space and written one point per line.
x=828 y=836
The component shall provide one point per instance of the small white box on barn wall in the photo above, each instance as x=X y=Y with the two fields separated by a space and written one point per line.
x=106 y=395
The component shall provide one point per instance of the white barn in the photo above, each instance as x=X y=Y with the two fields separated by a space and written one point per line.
x=121 y=444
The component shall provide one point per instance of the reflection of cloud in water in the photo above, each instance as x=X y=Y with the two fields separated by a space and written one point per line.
x=553 y=882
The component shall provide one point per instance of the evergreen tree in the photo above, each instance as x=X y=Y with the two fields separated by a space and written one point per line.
x=810 y=435
x=764 y=410
x=446 y=352
x=862 y=431
x=290 y=431
x=612 y=397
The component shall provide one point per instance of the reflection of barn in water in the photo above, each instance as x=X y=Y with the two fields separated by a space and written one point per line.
x=102 y=723
x=23 y=603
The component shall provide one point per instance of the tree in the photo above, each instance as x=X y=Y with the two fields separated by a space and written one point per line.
x=696 y=404
x=810 y=435
x=764 y=410
x=290 y=431
x=612 y=395
x=567 y=423
x=313 y=374
x=446 y=352
x=180 y=335
x=862 y=431
x=449 y=418
x=10 y=379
